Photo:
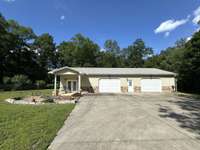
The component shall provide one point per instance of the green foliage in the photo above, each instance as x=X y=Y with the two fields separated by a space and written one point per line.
x=48 y=99
x=24 y=33
x=109 y=59
x=17 y=98
x=112 y=47
x=189 y=70
x=46 y=51
x=170 y=59
x=137 y=53
x=6 y=80
x=20 y=82
x=79 y=51
x=16 y=56
x=40 y=84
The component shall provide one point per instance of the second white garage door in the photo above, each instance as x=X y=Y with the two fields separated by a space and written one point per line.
x=151 y=85
x=109 y=86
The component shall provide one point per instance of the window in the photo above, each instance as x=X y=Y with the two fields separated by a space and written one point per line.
x=69 y=86
x=74 y=86
x=129 y=82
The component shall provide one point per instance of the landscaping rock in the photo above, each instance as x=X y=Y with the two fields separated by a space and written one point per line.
x=33 y=100
x=10 y=100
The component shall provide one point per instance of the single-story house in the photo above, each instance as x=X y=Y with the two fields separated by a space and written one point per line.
x=113 y=80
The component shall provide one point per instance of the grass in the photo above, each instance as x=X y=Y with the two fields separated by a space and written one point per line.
x=25 y=127
x=189 y=95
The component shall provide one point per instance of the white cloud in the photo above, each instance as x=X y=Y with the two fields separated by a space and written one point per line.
x=62 y=17
x=170 y=25
x=196 y=16
x=167 y=34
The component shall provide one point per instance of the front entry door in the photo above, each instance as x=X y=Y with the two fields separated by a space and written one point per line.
x=72 y=86
x=130 y=86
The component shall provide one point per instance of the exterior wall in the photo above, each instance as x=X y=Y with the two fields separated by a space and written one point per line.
x=168 y=84
x=91 y=83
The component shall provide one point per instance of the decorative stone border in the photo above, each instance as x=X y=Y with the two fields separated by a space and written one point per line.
x=25 y=102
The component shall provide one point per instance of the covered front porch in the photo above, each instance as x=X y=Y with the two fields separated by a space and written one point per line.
x=67 y=82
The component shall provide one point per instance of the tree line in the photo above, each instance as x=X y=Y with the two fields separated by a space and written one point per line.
x=31 y=56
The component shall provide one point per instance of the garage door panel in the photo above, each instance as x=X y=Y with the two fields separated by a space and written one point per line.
x=109 y=86
x=151 y=85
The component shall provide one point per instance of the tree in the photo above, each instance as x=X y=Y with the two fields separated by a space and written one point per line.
x=108 y=59
x=66 y=53
x=26 y=34
x=112 y=46
x=45 y=49
x=180 y=43
x=82 y=50
x=168 y=59
x=4 y=45
x=189 y=70
x=17 y=58
x=137 y=53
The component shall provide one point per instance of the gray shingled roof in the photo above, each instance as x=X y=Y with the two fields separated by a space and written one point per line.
x=115 y=71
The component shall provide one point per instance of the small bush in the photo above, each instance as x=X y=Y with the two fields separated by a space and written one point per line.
x=40 y=84
x=48 y=99
x=17 y=98
x=50 y=86
x=6 y=80
x=20 y=82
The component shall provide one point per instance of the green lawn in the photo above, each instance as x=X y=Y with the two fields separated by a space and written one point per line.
x=25 y=127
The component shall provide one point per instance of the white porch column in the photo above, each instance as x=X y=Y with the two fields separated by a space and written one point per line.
x=79 y=83
x=55 y=85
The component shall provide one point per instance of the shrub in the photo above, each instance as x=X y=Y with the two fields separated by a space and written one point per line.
x=20 y=82
x=48 y=99
x=40 y=84
x=50 y=86
x=6 y=80
x=6 y=86
x=17 y=98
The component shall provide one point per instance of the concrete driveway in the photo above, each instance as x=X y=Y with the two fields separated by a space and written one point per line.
x=125 y=122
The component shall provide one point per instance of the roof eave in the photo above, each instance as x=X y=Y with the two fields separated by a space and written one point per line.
x=55 y=71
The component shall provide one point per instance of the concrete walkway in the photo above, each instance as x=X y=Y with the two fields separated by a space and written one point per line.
x=123 y=122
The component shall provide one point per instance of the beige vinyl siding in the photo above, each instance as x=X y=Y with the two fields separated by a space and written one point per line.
x=94 y=81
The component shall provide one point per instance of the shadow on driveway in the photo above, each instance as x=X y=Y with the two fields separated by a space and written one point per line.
x=185 y=110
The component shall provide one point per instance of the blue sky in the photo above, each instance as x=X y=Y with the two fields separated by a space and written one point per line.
x=158 y=22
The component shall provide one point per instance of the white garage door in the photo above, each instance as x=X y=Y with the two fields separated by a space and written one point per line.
x=109 y=86
x=151 y=85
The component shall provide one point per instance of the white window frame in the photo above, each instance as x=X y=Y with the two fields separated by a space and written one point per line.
x=72 y=85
